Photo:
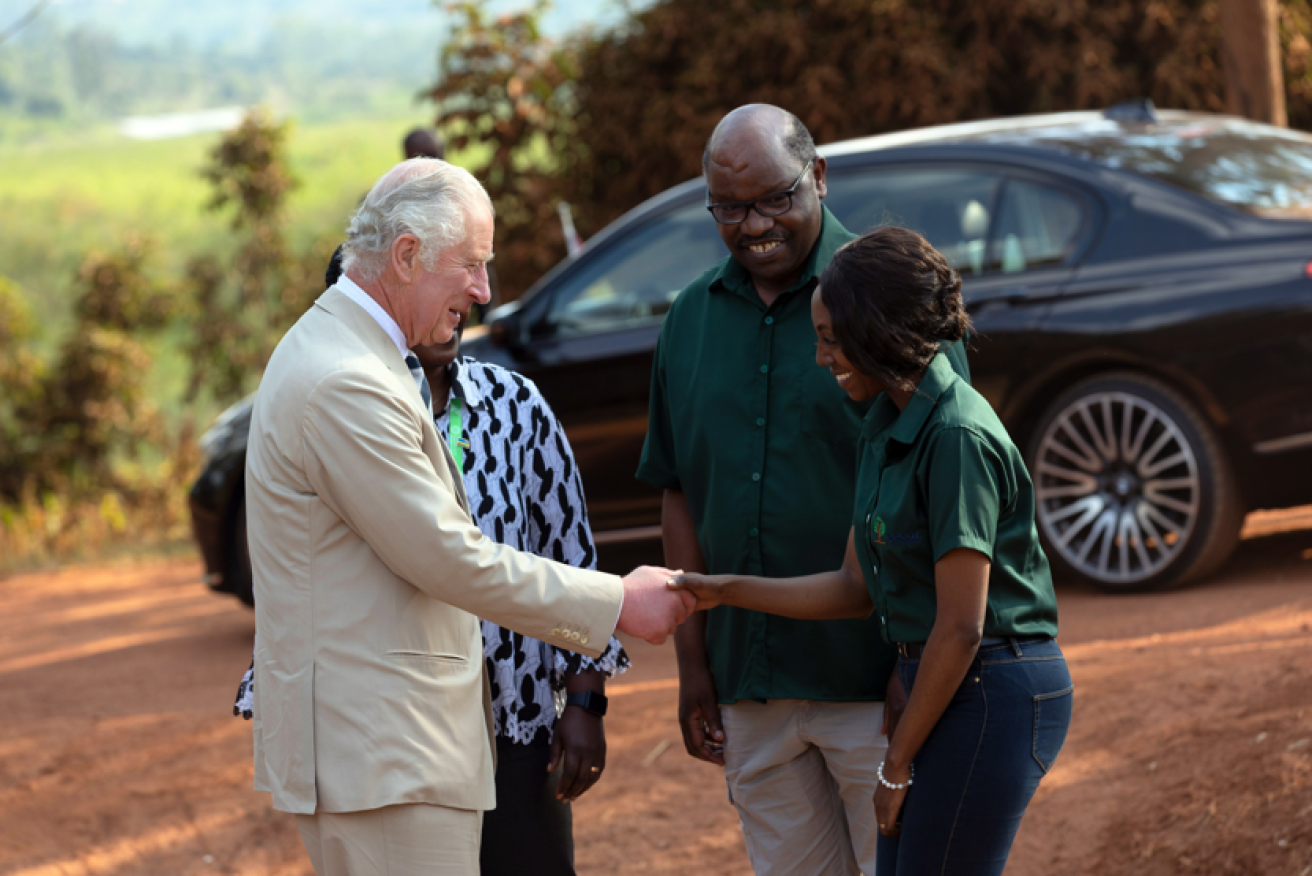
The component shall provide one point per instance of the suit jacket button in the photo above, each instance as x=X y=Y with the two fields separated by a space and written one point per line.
x=574 y=636
x=556 y=633
x=583 y=641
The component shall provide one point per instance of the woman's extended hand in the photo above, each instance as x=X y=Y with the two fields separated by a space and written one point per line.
x=710 y=590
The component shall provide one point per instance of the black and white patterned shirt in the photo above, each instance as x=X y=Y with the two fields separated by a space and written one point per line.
x=524 y=491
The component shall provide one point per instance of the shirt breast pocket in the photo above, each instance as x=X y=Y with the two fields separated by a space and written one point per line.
x=824 y=410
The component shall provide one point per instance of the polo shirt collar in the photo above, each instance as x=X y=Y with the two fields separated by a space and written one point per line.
x=905 y=425
x=733 y=277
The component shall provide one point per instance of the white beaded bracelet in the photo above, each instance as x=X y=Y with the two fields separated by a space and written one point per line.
x=895 y=786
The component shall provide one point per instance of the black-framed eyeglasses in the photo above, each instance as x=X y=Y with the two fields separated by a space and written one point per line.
x=777 y=204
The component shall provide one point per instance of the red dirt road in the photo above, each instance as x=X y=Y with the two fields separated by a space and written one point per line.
x=1191 y=750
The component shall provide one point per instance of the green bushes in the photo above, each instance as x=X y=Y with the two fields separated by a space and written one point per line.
x=86 y=457
x=75 y=424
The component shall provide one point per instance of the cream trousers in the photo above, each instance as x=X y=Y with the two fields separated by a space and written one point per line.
x=415 y=839
x=802 y=775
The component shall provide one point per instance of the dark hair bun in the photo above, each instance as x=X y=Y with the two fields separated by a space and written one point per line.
x=894 y=300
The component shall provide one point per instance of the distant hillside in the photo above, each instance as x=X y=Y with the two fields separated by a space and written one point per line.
x=88 y=60
x=233 y=25
x=247 y=24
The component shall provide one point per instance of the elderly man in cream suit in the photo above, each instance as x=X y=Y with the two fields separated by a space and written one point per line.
x=372 y=718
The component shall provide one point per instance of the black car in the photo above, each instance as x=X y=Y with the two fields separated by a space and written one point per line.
x=1141 y=286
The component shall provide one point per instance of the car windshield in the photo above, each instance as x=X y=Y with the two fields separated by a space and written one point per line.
x=1258 y=168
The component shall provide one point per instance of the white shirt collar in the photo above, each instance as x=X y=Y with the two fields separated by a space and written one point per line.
x=374 y=309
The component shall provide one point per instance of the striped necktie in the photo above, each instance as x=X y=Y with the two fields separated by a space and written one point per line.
x=417 y=372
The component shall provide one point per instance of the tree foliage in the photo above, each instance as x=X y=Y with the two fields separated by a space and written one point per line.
x=85 y=456
x=241 y=310
x=21 y=373
x=648 y=94
x=505 y=86
x=67 y=418
x=117 y=293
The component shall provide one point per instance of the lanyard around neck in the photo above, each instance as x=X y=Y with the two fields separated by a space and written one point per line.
x=455 y=431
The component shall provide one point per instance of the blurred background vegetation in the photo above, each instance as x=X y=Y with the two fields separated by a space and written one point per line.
x=144 y=283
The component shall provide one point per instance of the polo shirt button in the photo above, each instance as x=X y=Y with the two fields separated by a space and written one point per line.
x=754 y=532
x=765 y=368
x=756 y=475
x=769 y=320
x=760 y=421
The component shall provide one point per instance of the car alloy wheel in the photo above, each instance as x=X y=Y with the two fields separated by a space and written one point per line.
x=1130 y=485
x=1118 y=487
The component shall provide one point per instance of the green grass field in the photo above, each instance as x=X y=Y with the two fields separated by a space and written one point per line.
x=67 y=195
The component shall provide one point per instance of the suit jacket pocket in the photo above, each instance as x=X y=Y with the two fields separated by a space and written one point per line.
x=436 y=663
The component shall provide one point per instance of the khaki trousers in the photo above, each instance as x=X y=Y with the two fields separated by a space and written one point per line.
x=415 y=839
x=802 y=775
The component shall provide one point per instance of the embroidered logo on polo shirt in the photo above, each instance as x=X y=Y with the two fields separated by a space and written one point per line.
x=879 y=531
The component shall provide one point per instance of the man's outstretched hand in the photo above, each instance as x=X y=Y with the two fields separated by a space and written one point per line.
x=651 y=609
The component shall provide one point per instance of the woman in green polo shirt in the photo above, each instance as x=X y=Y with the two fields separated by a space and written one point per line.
x=943 y=547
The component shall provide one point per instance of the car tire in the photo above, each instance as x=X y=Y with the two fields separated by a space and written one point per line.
x=1132 y=489
x=239 y=559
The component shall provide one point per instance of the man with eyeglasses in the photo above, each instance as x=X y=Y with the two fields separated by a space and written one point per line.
x=754 y=446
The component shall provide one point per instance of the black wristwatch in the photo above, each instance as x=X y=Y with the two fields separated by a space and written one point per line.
x=590 y=701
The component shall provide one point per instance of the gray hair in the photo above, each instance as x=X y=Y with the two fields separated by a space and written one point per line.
x=426 y=197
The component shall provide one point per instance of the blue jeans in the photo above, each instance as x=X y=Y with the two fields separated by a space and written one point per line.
x=982 y=762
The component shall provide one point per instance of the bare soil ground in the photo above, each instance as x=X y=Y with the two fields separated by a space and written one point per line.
x=1191 y=750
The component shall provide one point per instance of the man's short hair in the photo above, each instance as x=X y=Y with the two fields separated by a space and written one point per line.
x=797 y=142
x=425 y=197
x=423 y=143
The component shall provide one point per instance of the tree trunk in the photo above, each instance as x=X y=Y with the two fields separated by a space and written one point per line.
x=1250 y=49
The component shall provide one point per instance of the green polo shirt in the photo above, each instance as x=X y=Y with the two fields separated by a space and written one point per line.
x=943 y=474
x=762 y=443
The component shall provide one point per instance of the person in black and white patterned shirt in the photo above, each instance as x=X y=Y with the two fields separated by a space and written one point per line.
x=524 y=491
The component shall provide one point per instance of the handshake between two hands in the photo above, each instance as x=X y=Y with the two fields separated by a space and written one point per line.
x=657 y=600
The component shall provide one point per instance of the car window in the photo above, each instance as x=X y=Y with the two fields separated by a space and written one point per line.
x=636 y=279
x=952 y=208
x=1257 y=168
x=1037 y=226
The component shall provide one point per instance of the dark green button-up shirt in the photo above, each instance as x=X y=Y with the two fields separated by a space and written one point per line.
x=762 y=442
x=943 y=474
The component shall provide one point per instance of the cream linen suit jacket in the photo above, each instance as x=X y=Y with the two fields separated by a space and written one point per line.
x=369 y=574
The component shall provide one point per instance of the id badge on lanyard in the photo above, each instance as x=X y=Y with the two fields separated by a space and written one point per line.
x=455 y=432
